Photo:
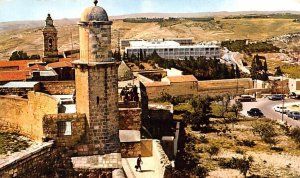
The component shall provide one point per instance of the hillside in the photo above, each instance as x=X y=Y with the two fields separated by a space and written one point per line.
x=27 y=36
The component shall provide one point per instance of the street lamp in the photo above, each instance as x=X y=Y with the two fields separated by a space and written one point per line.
x=282 y=97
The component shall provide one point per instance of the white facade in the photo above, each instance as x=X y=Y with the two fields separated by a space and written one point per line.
x=173 y=50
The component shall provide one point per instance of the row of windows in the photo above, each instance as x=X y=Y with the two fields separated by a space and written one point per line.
x=174 y=49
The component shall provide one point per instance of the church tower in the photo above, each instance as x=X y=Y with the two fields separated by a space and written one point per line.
x=50 y=41
x=97 y=82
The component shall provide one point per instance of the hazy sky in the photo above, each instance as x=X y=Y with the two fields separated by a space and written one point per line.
x=12 y=10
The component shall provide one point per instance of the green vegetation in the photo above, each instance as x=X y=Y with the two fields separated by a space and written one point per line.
x=295 y=135
x=242 y=46
x=12 y=142
x=293 y=71
x=201 y=19
x=20 y=55
x=268 y=16
x=242 y=164
x=143 y=20
x=205 y=146
x=258 y=69
x=201 y=68
x=267 y=132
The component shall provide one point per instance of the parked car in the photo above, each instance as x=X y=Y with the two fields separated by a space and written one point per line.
x=293 y=95
x=276 y=97
x=294 y=114
x=246 y=98
x=255 y=112
x=281 y=109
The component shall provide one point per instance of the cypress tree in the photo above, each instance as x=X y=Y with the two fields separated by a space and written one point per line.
x=265 y=66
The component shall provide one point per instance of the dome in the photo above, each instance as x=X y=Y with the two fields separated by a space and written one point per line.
x=95 y=13
x=124 y=72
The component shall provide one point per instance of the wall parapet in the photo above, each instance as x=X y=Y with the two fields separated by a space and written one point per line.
x=161 y=157
x=37 y=158
x=52 y=131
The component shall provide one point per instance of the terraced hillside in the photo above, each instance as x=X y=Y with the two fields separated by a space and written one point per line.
x=27 y=36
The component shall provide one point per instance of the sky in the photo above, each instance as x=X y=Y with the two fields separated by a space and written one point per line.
x=18 y=10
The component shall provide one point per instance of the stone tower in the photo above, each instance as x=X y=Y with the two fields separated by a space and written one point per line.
x=50 y=41
x=97 y=82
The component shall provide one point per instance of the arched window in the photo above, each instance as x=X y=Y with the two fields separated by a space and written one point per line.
x=98 y=100
x=50 y=43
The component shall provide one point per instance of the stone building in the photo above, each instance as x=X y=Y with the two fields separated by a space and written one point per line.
x=96 y=77
x=50 y=41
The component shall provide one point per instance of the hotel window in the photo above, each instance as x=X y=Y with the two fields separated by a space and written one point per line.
x=64 y=128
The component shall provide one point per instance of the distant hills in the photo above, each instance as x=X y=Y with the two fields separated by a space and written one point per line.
x=200 y=14
x=15 y=25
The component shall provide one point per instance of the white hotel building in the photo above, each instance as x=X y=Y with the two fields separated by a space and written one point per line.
x=173 y=50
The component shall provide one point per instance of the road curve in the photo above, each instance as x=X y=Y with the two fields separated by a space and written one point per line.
x=266 y=106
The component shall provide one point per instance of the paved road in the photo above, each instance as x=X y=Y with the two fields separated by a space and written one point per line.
x=266 y=106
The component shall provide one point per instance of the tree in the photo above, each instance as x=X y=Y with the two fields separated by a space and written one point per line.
x=202 y=112
x=265 y=66
x=232 y=71
x=278 y=72
x=295 y=134
x=267 y=132
x=236 y=108
x=213 y=150
x=141 y=55
x=18 y=55
x=237 y=72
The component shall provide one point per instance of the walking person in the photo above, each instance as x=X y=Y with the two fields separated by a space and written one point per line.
x=138 y=163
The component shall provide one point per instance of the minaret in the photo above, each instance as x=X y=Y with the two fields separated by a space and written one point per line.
x=97 y=82
x=50 y=41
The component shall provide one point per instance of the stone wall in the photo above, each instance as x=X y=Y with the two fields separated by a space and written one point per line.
x=19 y=91
x=97 y=97
x=130 y=118
x=160 y=157
x=130 y=150
x=78 y=126
x=26 y=115
x=174 y=89
x=209 y=87
x=229 y=86
x=33 y=162
x=58 y=87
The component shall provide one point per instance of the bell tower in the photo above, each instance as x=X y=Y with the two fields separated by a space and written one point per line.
x=50 y=41
x=97 y=82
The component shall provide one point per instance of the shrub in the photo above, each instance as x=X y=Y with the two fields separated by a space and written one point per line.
x=295 y=135
x=248 y=143
x=213 y=150
x=240 y=151
x=200 y=171
x=242 y=164
x=278 y=149
x=267 y=132
x=203 y=139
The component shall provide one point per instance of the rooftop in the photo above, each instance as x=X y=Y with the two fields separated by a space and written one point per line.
x=156 y=84
x=129 y=136
x=183 y=78
x=19 y=85
x=113 y=161
x=14 y=75
x=164 y=44
x=37 y=67
x=22 y=64
x=61 y=64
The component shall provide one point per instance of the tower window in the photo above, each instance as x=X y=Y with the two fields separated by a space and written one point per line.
x=50 y=43
x=64 y=128
x=98 y=100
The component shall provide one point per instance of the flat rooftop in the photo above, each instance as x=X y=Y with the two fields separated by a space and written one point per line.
x=164 y=44
x=19 y=85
